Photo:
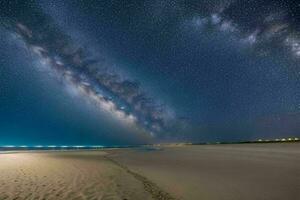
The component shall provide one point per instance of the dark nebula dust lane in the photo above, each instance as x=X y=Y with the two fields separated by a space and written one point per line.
x=195 y=71
x=87 y=75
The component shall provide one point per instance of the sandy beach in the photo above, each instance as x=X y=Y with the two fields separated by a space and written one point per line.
x=221 y=172
x=213 y=172
x=66 y=175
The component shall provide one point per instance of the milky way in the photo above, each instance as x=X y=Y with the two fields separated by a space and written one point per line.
x=263 y=27
x=171 y=70
x=90 y=77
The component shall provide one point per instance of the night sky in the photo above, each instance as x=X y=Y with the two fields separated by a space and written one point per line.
x=135 y=72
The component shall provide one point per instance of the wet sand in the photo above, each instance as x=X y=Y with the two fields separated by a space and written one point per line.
x=209 y=172
x=221 y=172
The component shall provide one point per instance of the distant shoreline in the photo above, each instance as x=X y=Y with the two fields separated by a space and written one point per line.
x=75 y=148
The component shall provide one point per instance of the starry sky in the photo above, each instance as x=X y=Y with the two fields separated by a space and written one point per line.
x=136 y=72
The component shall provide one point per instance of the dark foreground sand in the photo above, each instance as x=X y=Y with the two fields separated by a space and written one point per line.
x=209 y=172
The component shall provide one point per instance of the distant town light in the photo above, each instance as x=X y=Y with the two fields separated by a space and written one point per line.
x=78 y=146
x=99 y=146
